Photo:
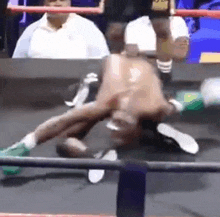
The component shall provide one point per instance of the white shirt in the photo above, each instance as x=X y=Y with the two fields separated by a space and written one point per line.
x=141 y=32
x=78 y=38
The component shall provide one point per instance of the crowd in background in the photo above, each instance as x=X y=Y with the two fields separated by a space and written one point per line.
x=12 y=25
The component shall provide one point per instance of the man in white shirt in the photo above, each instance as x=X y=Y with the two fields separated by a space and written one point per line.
x=61 y=36
x=141 y=32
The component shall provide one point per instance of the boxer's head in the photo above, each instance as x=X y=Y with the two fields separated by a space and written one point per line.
x=57 y=3
x=124 y=128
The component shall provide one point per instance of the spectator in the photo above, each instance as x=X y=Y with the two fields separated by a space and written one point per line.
x=64 y=36
x=141 y=32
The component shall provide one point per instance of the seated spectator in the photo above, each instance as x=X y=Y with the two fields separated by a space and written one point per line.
x=61 y=36
x=141 y=32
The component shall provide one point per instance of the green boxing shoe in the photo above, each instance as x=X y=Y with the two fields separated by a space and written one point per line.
x=17 y=150
x=192 y=101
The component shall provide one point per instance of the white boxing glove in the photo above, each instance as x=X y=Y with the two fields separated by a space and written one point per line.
x=210 y=90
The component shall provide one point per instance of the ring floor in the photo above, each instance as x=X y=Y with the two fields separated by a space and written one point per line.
x=65 y=191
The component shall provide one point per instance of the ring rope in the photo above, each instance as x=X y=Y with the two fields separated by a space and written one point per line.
x=44 y=9
x=198 y=13
x=100 y=10
x=150 y=166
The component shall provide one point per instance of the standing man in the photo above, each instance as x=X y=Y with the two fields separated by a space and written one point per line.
x=118 y=12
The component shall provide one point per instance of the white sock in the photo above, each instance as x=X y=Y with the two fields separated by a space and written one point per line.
x=165 y=67
x=29 y=141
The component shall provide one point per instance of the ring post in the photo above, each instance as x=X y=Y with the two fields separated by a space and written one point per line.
x=131 y=191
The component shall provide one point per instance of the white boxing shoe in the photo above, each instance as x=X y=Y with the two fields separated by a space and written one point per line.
x=96 y=176
x=186 y=142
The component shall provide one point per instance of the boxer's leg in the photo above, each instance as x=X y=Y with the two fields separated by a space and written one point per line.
x=70 y=144
x=58 y=125
x=159 y=15
x=164 y=45
x=52 y=128
x=118 y=14
x=161 y=27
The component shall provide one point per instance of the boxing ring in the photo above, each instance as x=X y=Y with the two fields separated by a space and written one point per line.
x=17 y=119
x=133 y=174
x=132 y=178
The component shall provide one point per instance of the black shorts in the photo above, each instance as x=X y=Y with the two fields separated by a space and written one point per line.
x=127 y=10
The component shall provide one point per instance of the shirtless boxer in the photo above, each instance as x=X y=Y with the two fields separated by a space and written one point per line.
x=130 y=93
